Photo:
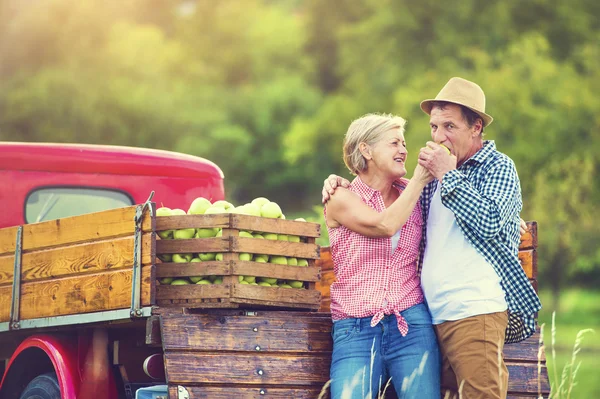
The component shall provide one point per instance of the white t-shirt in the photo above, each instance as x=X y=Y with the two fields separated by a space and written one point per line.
x=457 y=280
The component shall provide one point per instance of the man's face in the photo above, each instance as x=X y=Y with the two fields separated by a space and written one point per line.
x=448 y=127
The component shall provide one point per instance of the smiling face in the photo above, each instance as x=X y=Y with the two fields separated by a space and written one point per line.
x=449 y=127
x=388 y=155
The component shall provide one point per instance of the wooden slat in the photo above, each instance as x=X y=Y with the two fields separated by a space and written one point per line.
x=243 y=368
x=193 y=245
x=282 y=332
x=524 y=377
x=232 y=391
x=280 y=226
x=72 y=295
x=192 y=221
x=272 y=247
x=293 y=297
x=192 y=291
x=76 y=229
x=78 y=259
x=529 y=240
x=526 y=258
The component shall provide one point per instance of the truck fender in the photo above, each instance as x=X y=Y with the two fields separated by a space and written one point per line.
x=46 y=351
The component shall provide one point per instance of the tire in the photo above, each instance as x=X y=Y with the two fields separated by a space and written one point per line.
x=44 y=386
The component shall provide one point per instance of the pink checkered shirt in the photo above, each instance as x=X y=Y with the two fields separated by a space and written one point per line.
x=370 y=279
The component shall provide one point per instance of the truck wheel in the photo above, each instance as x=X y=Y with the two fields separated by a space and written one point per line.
x=43 y=386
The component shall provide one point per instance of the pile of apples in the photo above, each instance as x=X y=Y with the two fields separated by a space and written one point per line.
x=258 y=207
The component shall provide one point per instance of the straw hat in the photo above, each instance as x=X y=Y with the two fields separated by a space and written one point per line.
x=462 y=92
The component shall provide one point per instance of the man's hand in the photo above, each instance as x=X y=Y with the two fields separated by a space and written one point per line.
x=330 y=184
x=437 y=160
x=522 y=227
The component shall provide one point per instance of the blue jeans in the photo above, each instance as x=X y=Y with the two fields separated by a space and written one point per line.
x=364 y=357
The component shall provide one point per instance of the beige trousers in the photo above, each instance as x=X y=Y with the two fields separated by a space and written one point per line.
x=472 y=362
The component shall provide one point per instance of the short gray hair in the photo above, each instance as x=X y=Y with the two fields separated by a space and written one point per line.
x=367 y=129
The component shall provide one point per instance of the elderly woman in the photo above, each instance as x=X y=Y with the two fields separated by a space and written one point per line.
x=381 y=327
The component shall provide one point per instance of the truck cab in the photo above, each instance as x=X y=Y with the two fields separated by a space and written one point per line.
x=46 y=181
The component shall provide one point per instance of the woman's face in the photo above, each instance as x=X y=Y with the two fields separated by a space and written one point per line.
x=389 y=154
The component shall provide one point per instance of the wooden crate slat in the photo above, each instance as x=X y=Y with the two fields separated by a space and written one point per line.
x=525 y=350
x=242 y=368
x=229 y=391
x=273 y=247
x=192 y=291
x=80 y=259
x=280 y=226
x=76 y=229
x=526 y=259
x=524 y=378
x=275 y=294
x=302 y=273
x=192 y=221
x=218 y=332
x=529 y=240
x=193 y=245
x=211 y=268
x=72 y=295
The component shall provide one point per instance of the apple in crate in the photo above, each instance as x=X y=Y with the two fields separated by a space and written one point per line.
x=180 y=281
x=164 y=211
x=270 y=210
x=199 y=206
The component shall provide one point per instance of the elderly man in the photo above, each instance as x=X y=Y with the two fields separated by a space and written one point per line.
x=478 y=294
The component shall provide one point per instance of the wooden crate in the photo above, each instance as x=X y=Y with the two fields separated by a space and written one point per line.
x=76 y=265
x=231 y=293
x=226 y=353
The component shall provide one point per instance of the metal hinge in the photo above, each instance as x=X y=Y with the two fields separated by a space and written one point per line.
x=182 y=393
x=136 y=275
x=16 y=289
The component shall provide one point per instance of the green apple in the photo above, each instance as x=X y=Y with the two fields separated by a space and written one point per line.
x=219 y=257
x=182 y=234
x=213 y=210
x=165 y=257
x=270 y=210
x=253 y=283
x=206 y=232
x=259 y=201
x=270 y=236
x=253 y=209
x=282 y=237
x=279 y=260
x=245 y=256
x=199 y=206
x=294 y=238
x=240 y=279
x=268 y=280
x=180 y=281
x=282 y=216
x=164 y=211
x=208 y=256
x=285 y=286
x=182 y=258
x=219 y=233
x=244 y=282
x=302 y=262
x=250 y=279
x=224 y=204
x=258 y=235
x=241 y=210
x=195 y=279
x=203 y=281
x=296 y=284
x=195 y=259
x=166 y=280
x=292 y=261
x=300 y=220
x=218 y=281
x=261 y=258
x=263 y=283
x=246 y=234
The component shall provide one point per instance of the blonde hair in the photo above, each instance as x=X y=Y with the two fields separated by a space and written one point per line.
x=368 y=129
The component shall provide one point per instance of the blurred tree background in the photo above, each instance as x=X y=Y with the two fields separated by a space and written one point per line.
x=267 y=88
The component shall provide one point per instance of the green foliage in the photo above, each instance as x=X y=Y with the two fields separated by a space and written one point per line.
x=266 y=89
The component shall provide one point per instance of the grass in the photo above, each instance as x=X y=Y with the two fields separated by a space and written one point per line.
x=579 y=310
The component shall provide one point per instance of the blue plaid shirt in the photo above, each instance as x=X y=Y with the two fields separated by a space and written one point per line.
x=484 y=194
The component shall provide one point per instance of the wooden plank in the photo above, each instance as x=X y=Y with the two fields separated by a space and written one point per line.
x=524 y=378
x=73 y=295
x=275 y=295
x=526 y=259
x=78 y=259
x=90 y=227
x=153 y=334
x=232 y=391
x=299 y=332
x=273 y=247
x=525 y=351
x=280 y=226
x=193 y=245
x=211 y=268
x=244 y=368
x=222 y=220
x=192 y=291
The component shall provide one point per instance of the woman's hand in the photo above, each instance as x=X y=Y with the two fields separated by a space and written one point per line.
x=330 y=184
x=422 y=175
